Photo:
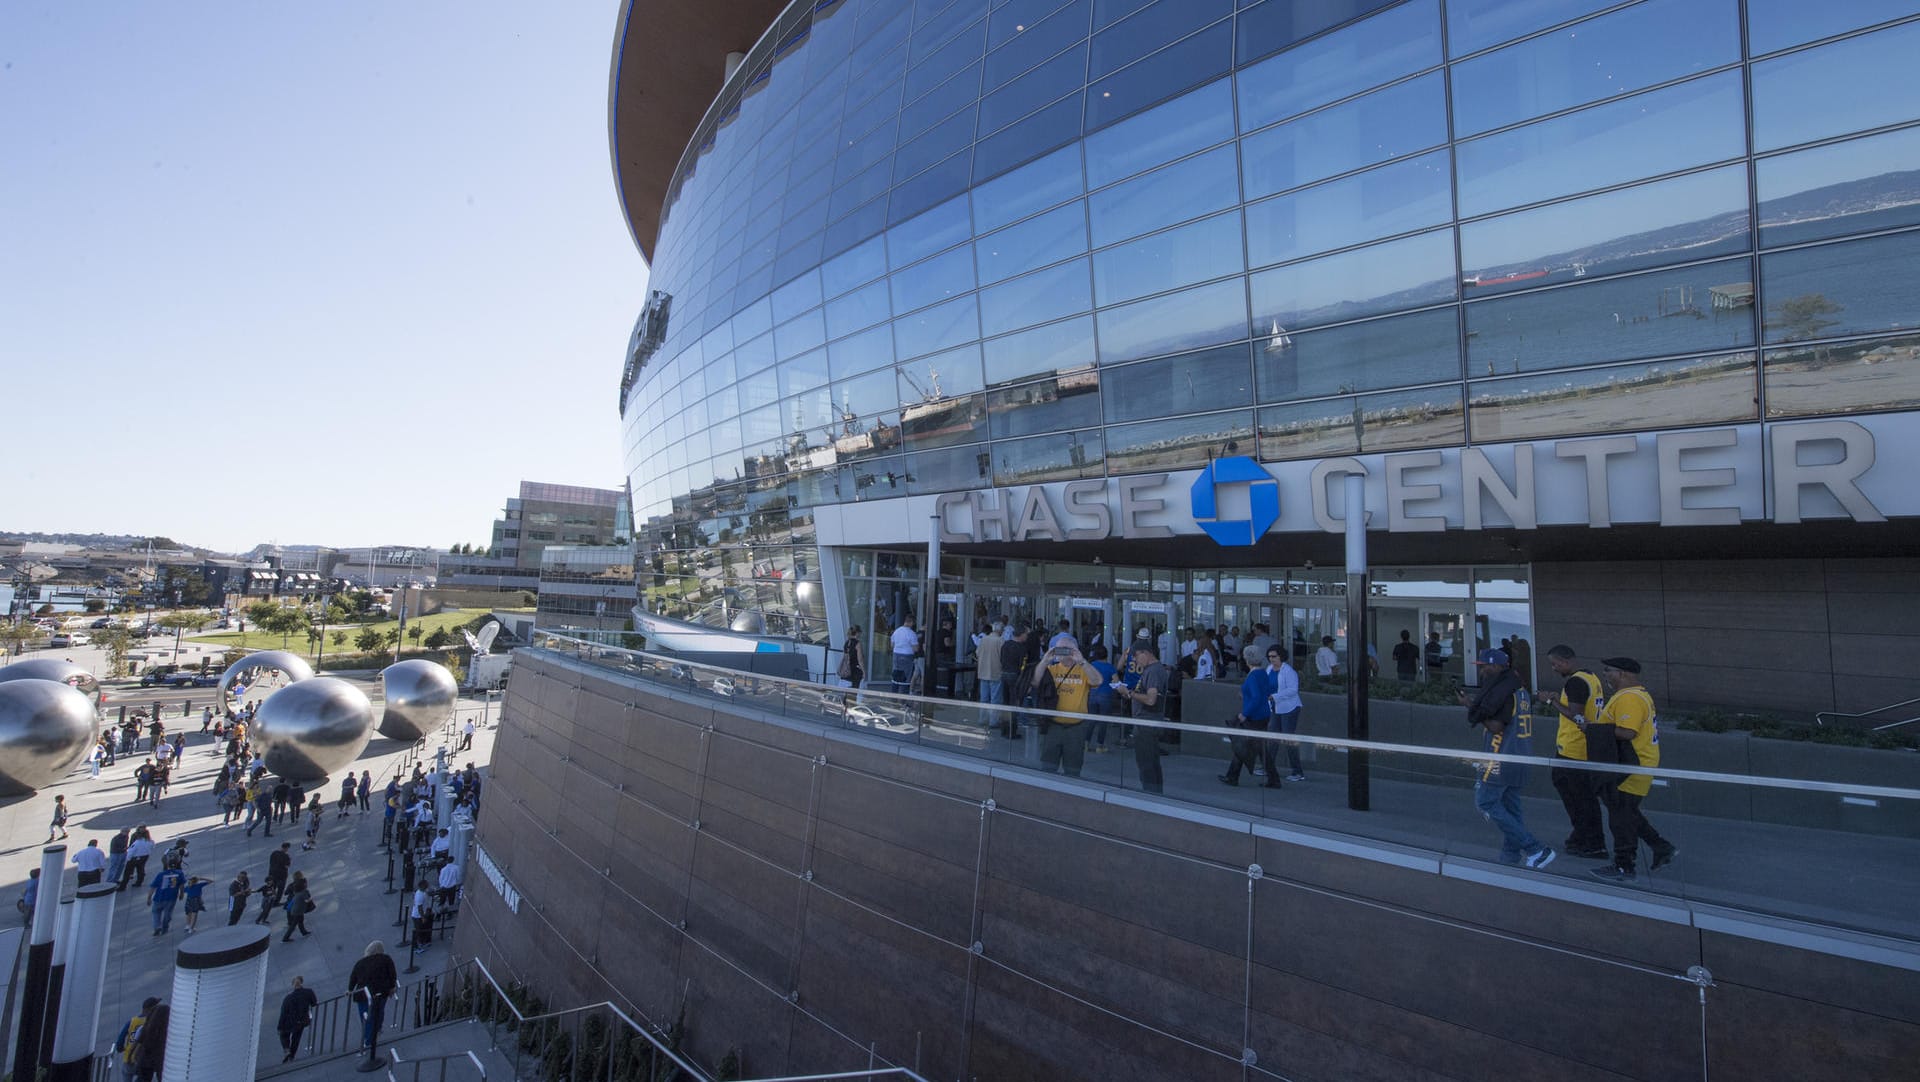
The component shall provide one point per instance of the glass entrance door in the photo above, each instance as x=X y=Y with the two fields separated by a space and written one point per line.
x=1088 y=619
x=1444 y=653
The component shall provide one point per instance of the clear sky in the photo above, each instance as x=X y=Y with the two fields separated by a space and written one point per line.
x=337 y=273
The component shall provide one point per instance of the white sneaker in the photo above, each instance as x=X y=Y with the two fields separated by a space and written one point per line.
x=1542 y=858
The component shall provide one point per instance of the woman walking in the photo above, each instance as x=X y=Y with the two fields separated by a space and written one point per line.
x=366 y=791
x=59 y=818
x=313 y=824
x=150 y=1051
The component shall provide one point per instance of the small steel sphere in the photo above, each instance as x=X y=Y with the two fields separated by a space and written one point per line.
x=420 y=698
x=292 y=668
x=45 y=727
x=52 y=668
x=308 y=730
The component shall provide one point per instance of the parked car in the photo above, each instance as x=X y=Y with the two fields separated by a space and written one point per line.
x=158 y=675
x=104 y=621
x=192 y=680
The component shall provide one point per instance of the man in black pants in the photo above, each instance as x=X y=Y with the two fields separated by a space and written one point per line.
x=1013 y=676
x=1578 y=706
x=1147 y=700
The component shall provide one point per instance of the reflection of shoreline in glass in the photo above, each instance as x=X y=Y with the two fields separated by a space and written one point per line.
x=1659 y=394
x=1384 y=422
x=1852 y=376
x=1178 y=443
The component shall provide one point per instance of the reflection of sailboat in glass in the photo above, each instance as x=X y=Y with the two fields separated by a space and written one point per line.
x=1278 y=339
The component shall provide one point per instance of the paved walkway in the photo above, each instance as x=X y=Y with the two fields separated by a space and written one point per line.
x=347 y=871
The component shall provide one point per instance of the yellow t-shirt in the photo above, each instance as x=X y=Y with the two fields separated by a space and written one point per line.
x=1631 y=714
x=1072 y=682
x=1571 y=740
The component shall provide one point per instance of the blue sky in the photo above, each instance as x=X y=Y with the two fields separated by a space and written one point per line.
x=336 y=273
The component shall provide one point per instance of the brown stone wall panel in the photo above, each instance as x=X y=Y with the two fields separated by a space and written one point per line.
x=588 y=819
x=650 y=855
x=602 y=714
x=1308 y=1032
x=1591 y=608
x=1745 y=576
x=1453 y=973
x=1023 y=1030
x=1159 y=891
x=773 y=774
x=770 y=830
x=1789 y=653
x=641 y=957
x=1777 y=607
x=541 y=803
x=907 y=885
x=673 y=790
x=1825 y=980
x=743 y=909
x=1206 y=841
x=900 y=814
x=728 y=1011
x=1862 y=694
x=856 y=759
x=1191 y=991
x=697 y=715
x=1886 y=656
x=665 y=736
x=802 y=742
x=849 y=952
x=1776 y=690
x=578 y=909
x=1598 y=575
x=1886 y=576
x=1758 y=1034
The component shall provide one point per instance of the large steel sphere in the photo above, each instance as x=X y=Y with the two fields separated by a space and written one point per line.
x=308 y=730
x=420 y=698
x=54 y=669
x=291 y=669
x=45 y=726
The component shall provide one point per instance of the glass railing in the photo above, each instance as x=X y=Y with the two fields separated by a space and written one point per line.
x=1833 y=838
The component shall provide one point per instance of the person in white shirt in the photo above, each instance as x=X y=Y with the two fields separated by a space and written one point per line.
x=91 y=862
x=1189 y=644
x=450 y=877
x=1286 y=713
x=906 y=644
x=987 y=657
x=1325 y=661
x=1202 y=664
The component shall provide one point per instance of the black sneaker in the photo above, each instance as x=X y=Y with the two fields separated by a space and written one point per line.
x=1663 y=855
x=1224 y=780
x=1595 y=853
x=1613 y=873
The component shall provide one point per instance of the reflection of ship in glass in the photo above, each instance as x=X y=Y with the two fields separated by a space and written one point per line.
x=1517 y=276
x=856 y=439
x=937 y=413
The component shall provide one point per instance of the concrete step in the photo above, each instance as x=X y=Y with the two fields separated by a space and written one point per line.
x=423 y=1047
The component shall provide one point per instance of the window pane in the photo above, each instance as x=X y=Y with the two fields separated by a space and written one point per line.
x=796 y=297
x=754 y=354
x=1408 y=273
x=1347 y=61
x=1776 y=24
x=1690 y=217
x=1036 y=298
x=947 y=179
x=937 y=328
x=1048 y=405
x=1183 y=190
x=1859 y=287
x=948 y=470
x=1187 y=63
x=1473 y=25
x=943 y=375
x=1634 y=397
x=795 y=337
x=1645 y=315
x=1035 y=242
x=1161 y=134
x=1380 y=202
x=863 y=352
x=1660 y=132
x=942 y=227
x=935 y=280
x=1420 y=348
x=1205 y=316
x=856 y=266
x=803 y=373
x=1178 y=443
x=1065 y=457
x=1853 y=187
x=1883 y=374
x=1628 y=50
x=1832 y=89
x=1050 y=180
x=1190 y=253
x=1061 y=75
x=1029 y=138
x=1171 y=386
x=1383 y=125
x=945 y=100
x=1038 y=37
x=1427 y=417
x=1150 y=28
x=1275 y=24
x=937 y=144
x=857 y=310
x=1059 y=347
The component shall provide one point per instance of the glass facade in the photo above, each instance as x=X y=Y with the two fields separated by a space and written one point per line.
x=942 y=245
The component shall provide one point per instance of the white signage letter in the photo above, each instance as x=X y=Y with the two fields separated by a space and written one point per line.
x=991 y=507
x=1676 y=480
x=1323 y=472
x=1596 y=451
x=1400 y=493
x=1088 y=499
x=940 y=505
x=1478 y=480
x=1133 y=505
x=1790 y=475
x=1037 y=521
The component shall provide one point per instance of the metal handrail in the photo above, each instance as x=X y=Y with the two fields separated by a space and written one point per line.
x=468 y=1055
x=922 y=711
x=1821 y=717
x=522 y=1020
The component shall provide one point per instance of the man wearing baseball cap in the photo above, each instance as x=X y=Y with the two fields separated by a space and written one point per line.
x=1629 y=721
x=1504 y=710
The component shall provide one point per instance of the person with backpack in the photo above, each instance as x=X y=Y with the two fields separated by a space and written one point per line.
x=1065 y=683
x=129 y=1037
x=298 y=904
x=1504 y=710
x=1256 y=709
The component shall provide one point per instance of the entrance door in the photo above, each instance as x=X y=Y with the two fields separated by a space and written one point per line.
x=1444 y=653
x=1159 y=618
x=1089 y=622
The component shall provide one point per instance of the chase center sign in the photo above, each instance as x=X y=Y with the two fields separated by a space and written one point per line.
x=1784 y=472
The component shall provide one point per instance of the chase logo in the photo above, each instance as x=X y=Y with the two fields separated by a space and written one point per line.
x=1263 y=500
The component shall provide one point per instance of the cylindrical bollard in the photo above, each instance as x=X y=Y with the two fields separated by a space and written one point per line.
x=442 y=799
x=33 y=991
x=462 y=840
x=56 y=979
x=219 y=985
x=91 y=936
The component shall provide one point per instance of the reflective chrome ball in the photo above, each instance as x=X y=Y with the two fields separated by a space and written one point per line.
x=274 y=668
x=45 y=726
x=54 y=669
x=420 y=698
x=310 y=729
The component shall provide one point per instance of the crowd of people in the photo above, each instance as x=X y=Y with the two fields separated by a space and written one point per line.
x=247 y=795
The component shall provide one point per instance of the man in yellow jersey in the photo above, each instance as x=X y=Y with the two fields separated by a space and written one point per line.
x=1064 y=683
x=1578 y=705
x=1629 y=721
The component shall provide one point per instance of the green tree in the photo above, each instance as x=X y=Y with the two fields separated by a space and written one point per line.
x=115 y=641
x=339 y=638
x=415 y=632
x=95 y=604
x=15 y=637
x=260 y=612
x=439 y=639
x=284 y=621
x=1803 y=317
x=368 y=640
x=392 y=640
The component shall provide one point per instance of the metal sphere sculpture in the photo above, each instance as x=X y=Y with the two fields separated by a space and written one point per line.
x=54 y=669
x=292 y=667
x=420 y=698
x=45 y=726
x=310 y=729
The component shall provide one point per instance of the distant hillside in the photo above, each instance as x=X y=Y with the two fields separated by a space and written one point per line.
x=108 y=541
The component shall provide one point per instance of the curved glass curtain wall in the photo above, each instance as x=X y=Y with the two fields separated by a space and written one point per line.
x=945 y=245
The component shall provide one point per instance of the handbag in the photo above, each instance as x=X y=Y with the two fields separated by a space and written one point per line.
x=845 y=672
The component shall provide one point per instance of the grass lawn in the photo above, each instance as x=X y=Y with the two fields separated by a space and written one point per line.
x=298 y=644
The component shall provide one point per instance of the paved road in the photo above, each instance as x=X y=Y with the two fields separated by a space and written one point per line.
x=347 y=871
